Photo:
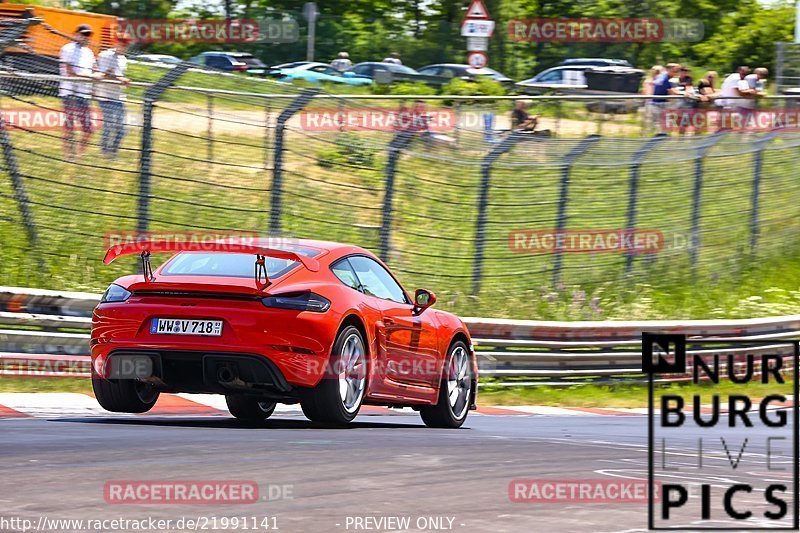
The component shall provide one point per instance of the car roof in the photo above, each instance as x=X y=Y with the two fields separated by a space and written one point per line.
x=221 y=53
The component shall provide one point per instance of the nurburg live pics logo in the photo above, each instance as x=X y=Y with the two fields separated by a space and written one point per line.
x=725 y=459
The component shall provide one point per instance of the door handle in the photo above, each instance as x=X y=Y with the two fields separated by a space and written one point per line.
x=388 y=321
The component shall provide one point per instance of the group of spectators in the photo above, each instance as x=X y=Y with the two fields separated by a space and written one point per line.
x=342 y=61
x=77 y=60
x=738 y=93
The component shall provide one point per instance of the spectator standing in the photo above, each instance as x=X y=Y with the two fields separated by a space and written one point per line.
x=758 y=82
x=663 y=86
x=342 y=62
x=736 y=90
x=394 y=58
x=652 y=74
x=111 y=65
x=76 y=60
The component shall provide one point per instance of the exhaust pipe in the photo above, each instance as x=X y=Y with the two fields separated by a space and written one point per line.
x=226 y=374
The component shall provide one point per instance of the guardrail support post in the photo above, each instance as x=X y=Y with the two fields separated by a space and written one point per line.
x=8 y=37
x=277 y=159
x=151 y=95
x=483 y=203
x=633 y=192
x=697 y=193
x=758 y=164
x=561 y=215
x=400 y=141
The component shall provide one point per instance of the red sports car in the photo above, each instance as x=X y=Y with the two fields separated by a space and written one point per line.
x=323 y=324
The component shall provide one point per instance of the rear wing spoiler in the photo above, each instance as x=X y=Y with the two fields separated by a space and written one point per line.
x=145 y=247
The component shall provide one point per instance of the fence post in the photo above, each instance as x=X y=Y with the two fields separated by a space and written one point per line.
x=483 y=203
x=633 y=192
x=694 y=243
x=151 y=95
x=561 y=215
x=277 y=158
x=396 y=146
x=779 y=59
x=210 y=128
x=8 y=37
x=267 y=121
x=755 y=231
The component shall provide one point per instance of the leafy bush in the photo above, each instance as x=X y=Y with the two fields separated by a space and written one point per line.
x=483 y=86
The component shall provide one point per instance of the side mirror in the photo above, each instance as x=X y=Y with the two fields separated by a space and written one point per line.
x=423 y=299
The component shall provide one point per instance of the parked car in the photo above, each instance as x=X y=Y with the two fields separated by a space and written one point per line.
x=319 y=73
x=158 y=58
x=555 y=78
x=389 y=73
x=595 y=62
x=231 y=62
x=323 y=324
x=293 y=64
x=465 y=72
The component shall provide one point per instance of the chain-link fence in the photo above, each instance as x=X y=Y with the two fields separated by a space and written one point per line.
x=491 y=220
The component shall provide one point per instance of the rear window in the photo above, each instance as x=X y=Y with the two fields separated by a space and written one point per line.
x=230 y=264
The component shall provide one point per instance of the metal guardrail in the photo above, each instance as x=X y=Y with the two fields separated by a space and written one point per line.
x=515 y=352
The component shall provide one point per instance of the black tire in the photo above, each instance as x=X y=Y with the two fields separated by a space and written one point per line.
x=443 y=414
x=248 y=408
x=324 y=403
x=124 y=395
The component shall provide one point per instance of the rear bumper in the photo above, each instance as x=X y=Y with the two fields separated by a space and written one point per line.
x=204 y=371
x=296 y=344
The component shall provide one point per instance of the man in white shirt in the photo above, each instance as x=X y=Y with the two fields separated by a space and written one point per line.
x=736 y=85
x=394 y=58
x=342 y=62
x=76 y=60
x=111 y=65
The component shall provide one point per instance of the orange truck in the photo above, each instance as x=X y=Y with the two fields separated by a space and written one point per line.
x=47 y=38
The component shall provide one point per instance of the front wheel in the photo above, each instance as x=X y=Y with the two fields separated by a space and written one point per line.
x=248 y=408
x=124 y=395
x=454 y=393
x=338 y=396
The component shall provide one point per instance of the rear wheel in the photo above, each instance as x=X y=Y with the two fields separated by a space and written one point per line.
x=454 y=393
x=338 y=396
x=248 y=408
x=124 y=395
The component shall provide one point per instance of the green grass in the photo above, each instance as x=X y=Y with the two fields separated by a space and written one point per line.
x=19 y=384
x=622 y=395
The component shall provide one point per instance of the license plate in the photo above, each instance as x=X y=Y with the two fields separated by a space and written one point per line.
x=176 y=326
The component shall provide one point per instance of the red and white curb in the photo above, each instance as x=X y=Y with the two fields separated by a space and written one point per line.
x=71 y=405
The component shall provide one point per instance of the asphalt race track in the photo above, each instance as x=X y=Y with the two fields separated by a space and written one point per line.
x=382 y=466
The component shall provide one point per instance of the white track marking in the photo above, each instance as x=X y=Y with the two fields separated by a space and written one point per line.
x=52 y=404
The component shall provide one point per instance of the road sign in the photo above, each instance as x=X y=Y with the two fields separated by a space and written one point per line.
x=477 y=28
x=477 y=11
x=477 y=59
x=477 y=44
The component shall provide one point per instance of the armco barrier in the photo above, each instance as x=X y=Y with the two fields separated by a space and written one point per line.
x=528 y=352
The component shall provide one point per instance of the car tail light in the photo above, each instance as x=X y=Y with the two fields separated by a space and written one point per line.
x=298 y=301
x=240 y=67
x=115 y=293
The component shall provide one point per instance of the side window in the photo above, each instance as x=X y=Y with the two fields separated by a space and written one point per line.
x=430 y=71
x=376 y=281
x=342 y=270
x=551 y=77
x=217 y=61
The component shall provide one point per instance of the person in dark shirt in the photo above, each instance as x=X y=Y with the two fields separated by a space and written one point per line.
x=520 y=119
